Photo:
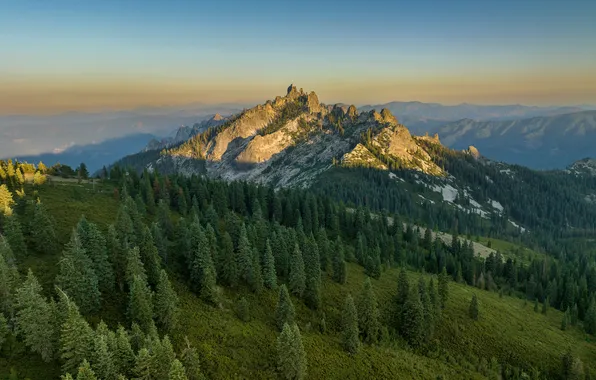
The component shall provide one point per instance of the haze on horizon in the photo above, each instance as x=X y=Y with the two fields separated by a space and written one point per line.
x=71 y=55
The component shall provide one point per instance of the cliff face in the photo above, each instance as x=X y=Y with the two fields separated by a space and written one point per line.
x=291 y=140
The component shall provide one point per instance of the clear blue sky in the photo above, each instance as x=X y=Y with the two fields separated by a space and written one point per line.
x=74 y=54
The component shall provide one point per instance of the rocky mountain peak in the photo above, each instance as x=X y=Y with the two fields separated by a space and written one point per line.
x=217 y=117
x=473 y=151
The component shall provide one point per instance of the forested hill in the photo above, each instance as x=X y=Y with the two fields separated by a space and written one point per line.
x=156 y=277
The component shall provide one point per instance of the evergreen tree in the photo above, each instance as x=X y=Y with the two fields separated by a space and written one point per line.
x=268 y=263
x=545 y=306
x=177 y=371
x=124 y=357
x=160 y=242
x=9 y=278
x=85 y=372
x=349 y=323
x=135 y=267
x=103 y=359
x=285 y=312
x=244 y=257
x=536 y=305
x=590 y=318
x=34 y=318
x=117 y=256
x=291 y=357
x=3 y=329
x=142 y=369
x=94 y=244
x=166 y=303
x=137 y=337
x=77 y=278
x=368 y=314
x=312 y=293
x=243 y=310
x=412 y=322
x=573 y=316
x=163 y=357
x=443 y=287
x=202 y=274
x=190 y=359
x=340 y=271
x=42 y=230
x=473 y=310
x=323 y=244
x=297 y=281
x=149 y=256
x=14 y=237
x=76 y=337
x=227 y=270
x=140 y=307
x=256 y=282
x=403 y=288
x=565 y=320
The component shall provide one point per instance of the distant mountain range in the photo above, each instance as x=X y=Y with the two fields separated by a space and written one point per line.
x=546 y=142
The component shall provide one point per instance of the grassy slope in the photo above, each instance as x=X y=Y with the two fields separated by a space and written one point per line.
x=233 y=349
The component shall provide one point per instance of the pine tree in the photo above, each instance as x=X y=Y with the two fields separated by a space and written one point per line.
x=137 y=337
x=443 y=287
x=202 y=274
x=177 y=371
x=135 y=267
x=3 y=329
x=102 y=359
x=244 y=257
x=433 y=296
x=166 y=303
x=368 y=314
x=412 y=322
x=140 y=307
x=149 y=257
x=565 y=320
x=124 y=357
x=142 y=369
x=34 y=318
x=85 y=372
x=473 y=310
x=545 y=306
x=256 y=281
x=76 y=337
x=312 y=293
x=349 y=323
x=268 y=263
x=323 y=244
x=163 y=358
x=42 y=230
x=340 y=270
x=243 y=310
x=77 y=278
x=227 y=270
x=160 y=241
x=590 y=318
x=95 y=248
x=573 y=316
x=285 y=312
x=9 y=278
x=14 y=237
x=403 y=288
x=291 y=357
x=297 y=281
x=117 y=256
x=190 y=359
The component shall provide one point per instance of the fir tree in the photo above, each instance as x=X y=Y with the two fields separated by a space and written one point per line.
x=117 y=255
x=297 y=281
x=9 y=278
x=291 y=357
x=244 y=257
x=42 y=230
x=149 y=257
x=137 y=337
x=140 y=307
x=473 y=310
x=443 y=287
x=163 y=358
x=124 y=357
x=3 y=329
x=103 y=360
x=142 y=369
x=256 y=281
x=177 y=371
x=412 y=322
x=545 y=306
x=14 y=237
x=85 y=372
x=95 y=248
x=202 y=274
x=190 y=359
x=77 y=278
x=349 y=326
x=135 y=267
x=565 y=320
x=312 y=293
x=34 y=318
x=368 y=314
x=166 y=303
x=284 y=313
x=323 y=244
x=340 y=270
x=243 y=310
x=590 y=318
x=573 y=316
x=268 y=263
x=76 y=337
x=227 y=270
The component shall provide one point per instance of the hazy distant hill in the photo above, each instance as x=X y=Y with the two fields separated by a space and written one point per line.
x=540 y=142
x=94 y=156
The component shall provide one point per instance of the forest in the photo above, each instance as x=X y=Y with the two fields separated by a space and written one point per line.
x=116 y=303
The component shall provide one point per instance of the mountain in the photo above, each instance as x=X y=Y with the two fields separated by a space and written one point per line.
x=95 y=156
x=186 y=132
x=545 y=142
x=585 y=166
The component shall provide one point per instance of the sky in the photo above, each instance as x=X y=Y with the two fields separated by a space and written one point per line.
x=64 y=55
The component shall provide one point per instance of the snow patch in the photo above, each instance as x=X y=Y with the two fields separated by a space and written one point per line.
x=448 y=192
x=496 y=205
x=426 y=199
x=517 y=226
x=395 y=177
